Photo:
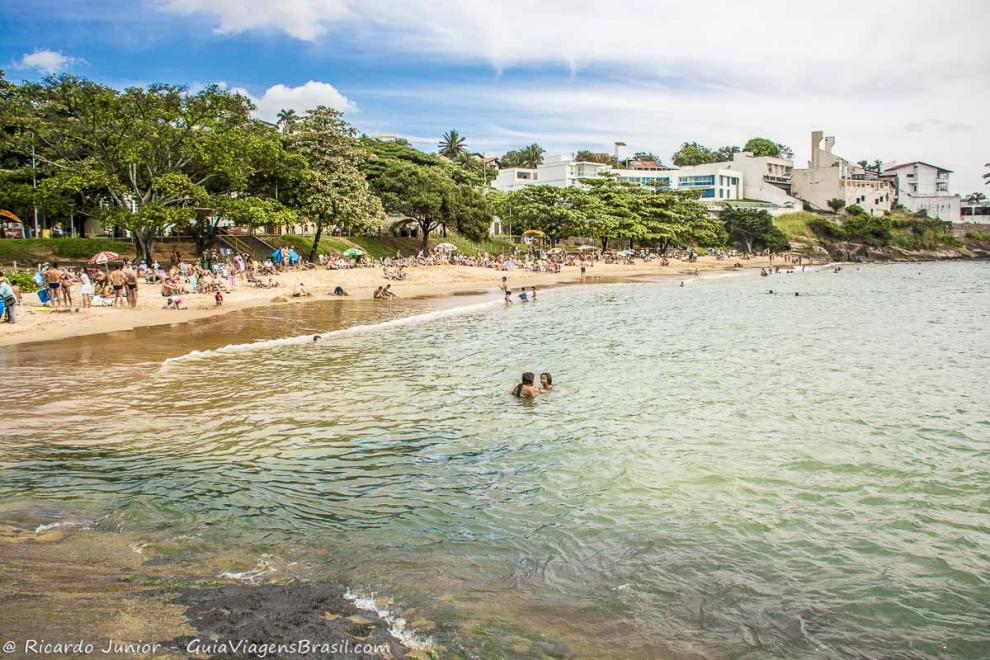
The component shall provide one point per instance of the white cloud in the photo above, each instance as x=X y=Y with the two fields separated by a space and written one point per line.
x=46 y=61
x=301 y=99
x=890 y=79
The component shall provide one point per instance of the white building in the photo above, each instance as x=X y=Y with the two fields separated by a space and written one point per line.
x=924 y=187
x=714 y=181
x=829 y=177
x=767 y=179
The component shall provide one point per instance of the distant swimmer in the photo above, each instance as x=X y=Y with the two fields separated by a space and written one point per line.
x=771 y=291
x=316 y=339
x=796 y=293
x=525 y=389
x=532 y=293
x=546 y=381
x=523 y=296
x=682 y=282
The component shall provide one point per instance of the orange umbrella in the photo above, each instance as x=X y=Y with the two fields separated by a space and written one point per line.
x=8 y=214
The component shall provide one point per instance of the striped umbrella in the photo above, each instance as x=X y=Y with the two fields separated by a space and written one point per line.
x=103 y=257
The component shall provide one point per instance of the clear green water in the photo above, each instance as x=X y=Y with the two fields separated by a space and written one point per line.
x=719 y=471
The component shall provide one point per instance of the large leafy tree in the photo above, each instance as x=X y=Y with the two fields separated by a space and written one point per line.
x=421 y=194
x=759 y=146
x=618 y=210
x=692 y=153
x=676 y=218
x=154 y=155
x=333 y=191
x=559 y=212
x=452 y=144
x=752 y=229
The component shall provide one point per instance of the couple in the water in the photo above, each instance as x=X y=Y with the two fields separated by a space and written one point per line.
x=527 y=388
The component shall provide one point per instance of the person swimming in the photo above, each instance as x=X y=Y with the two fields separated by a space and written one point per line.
x=546 y=381
x=525 y=389
x=316 y=339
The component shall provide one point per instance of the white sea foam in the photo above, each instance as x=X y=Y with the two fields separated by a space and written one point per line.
x=397 y=625
x=263 y=568
x=65 y=524
x=343 y=332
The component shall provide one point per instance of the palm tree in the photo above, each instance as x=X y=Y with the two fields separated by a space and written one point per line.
x=452 y=145
x=987 y=175
x=531 y=156
x=286 y=118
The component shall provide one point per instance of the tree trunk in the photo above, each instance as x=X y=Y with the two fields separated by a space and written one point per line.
x=425 y=228
x=316 y=242
x=604 y=243
x=144 y=242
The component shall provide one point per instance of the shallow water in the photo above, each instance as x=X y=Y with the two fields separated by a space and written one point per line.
x=719 y=470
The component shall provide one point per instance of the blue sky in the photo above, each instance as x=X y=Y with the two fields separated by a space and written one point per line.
x=891 y=80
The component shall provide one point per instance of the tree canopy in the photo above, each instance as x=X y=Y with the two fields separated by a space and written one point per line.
x=752 y=229
x=530 y=156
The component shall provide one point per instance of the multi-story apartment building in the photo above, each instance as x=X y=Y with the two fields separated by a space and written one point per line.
x=713 y=181
x=924 y=187
x=830 y=177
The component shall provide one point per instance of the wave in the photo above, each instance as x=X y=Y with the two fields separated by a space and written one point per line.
x=307 y=338
x=397 y=626
x=262 y=569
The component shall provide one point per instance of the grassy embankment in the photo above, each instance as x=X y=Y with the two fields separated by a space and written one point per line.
x=897 y=229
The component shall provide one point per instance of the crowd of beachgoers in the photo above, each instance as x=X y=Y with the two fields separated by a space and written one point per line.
x=220 y=273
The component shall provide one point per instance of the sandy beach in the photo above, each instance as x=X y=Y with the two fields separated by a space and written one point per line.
x=37 y=323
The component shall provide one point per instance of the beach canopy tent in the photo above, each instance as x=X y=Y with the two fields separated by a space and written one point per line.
x=103 y=257
x=10 y=216
x=354 y=253
x=446 y=247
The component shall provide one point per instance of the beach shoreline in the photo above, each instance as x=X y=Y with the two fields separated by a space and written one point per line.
x=37 y=324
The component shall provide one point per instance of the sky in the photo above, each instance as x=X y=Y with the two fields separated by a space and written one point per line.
x=893 y=80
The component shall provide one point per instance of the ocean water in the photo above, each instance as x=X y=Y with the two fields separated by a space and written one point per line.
x=719 y=471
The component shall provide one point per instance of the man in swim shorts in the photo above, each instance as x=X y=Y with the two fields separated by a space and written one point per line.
x=53 y=276
x=117 y=281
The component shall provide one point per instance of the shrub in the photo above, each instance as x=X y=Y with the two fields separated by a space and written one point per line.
x=856 y=209
x=826 y=229
x=868 y=229
x=24 y=280
x=982 y=236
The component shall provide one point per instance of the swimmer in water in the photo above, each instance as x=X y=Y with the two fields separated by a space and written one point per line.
x=525 y=389
x=546 y=381
x=316 y=339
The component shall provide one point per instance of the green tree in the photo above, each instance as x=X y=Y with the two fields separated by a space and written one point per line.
x=287 y=119
x=530 y=156
x=752 y=229
x=333 y=192
x=557 y=211
x=676 y=218
x=836 y=204
x=419 y=193
x=617 y=210
x=595 y=157
x=154 y=154
x=452 y=145
x=763 y=147
x=646 y=155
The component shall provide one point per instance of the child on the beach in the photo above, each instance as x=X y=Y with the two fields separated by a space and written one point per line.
x=219 y=298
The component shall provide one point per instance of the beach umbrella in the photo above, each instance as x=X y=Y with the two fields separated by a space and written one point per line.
x=626 y=252
x=353 y=253
x=103 y=257
x=585 y=248
x=446 y=247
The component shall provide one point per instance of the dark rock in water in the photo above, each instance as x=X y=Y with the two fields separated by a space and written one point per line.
x=273 y=615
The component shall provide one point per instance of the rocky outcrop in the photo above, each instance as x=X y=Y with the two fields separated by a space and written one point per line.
x=860 y=252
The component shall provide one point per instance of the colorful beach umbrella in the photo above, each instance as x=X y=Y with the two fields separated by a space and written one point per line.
x=103 y=257
x=7 y=214
x=353 y=252
x=446 y=247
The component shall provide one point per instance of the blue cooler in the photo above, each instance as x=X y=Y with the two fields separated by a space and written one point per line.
x=44 y=296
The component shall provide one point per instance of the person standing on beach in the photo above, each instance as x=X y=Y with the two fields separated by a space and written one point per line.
x=86 y=291
x=53 y=276
x=131 y=282
x=117 y=281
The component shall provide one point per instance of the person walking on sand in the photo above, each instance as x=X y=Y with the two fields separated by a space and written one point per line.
x=86 y=290
x=53 y=276
x=131 y=282
x=117 y=281
x=66 y=288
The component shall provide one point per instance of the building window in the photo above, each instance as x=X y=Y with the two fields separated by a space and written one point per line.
x=708 y=193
